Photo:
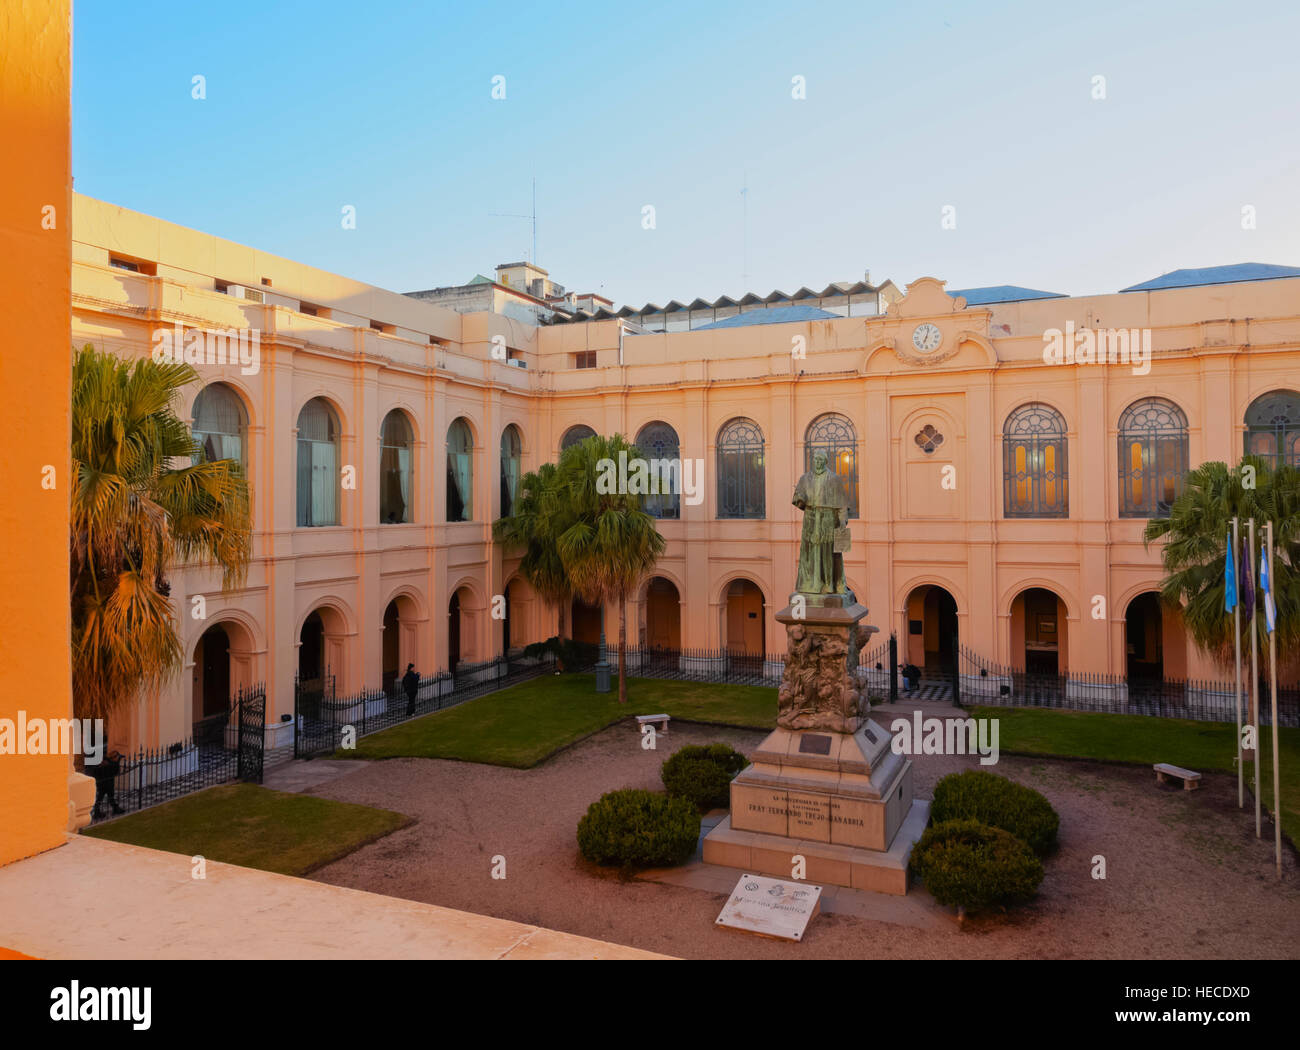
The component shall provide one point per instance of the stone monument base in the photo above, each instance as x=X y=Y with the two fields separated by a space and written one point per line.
x=842 y=801
x=859 y=869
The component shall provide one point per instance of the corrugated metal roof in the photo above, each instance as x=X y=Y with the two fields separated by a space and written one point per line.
x=1215 y=275
x=1003 y=293
x=772 y=315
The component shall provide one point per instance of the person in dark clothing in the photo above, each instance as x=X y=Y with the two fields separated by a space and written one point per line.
x=411 y=683
x=105 y=774
x=912 y=677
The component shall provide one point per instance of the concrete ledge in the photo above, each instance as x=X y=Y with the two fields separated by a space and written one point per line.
x=94 y=899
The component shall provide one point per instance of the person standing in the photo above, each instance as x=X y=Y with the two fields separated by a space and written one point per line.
x=411 y=683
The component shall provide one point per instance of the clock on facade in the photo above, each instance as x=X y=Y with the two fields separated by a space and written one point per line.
x=926 y=337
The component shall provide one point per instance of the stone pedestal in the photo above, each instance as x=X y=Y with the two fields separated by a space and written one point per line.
x=825 y=784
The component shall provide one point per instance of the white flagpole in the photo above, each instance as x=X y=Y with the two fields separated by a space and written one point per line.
x=1254 y=682
x=1236 y=645
x=1272 y=674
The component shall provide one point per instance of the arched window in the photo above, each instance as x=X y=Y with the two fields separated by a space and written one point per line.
x=1273 y=428
x=575 y=434
x=1035 y=463
x=395 y=469
x=1152 y=457
x=318 y=464
x=741 y=487
x=658 y=441
x=460 y=472
x=511 y=459
x=220 y=424
x=834 y=435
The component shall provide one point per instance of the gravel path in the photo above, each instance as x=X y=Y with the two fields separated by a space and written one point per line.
x=1186 y=877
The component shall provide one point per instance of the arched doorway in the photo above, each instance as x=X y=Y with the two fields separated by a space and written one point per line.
x=1038 y=632
x=392 y=669
x=1144 y=639
x=663 y=615
x=311 y=652
x=931 y=630
x=211 y=687
x=586 y=622
x=744 y=618
x=453 y=632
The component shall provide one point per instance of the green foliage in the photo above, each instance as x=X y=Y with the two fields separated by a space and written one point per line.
x=971 y=865
x=570 y=655
x=703 y=774
x=639 y=829
x=980 y=795
x=1195 y=542
x=134 y=517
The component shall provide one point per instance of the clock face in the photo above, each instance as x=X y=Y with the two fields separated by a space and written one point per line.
x=926 y=337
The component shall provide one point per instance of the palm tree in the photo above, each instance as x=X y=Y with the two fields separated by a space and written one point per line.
x=1195 y=543
x=133 y=517
x=539 y=515
x=612 y=543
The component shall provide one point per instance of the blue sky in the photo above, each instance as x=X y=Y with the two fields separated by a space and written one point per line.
x=910 y=107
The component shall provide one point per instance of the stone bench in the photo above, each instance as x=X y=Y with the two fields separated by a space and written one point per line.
x=660 y=722
x=1190 y=780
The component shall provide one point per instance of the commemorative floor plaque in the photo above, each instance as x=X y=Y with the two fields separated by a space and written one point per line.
x=771 y=907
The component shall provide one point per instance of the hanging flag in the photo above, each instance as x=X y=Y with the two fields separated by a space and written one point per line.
x=1229 y=578
x=1270 y=611
x=1247 y=585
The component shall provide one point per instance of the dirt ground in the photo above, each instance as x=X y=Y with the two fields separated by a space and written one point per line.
x=1185 y=876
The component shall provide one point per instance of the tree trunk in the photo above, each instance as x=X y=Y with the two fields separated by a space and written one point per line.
x=622 y=651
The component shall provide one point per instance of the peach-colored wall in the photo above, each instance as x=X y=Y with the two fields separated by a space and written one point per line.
x=35 y=372
x=926 y=519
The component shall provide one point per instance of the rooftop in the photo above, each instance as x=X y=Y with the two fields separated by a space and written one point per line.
x=772 y=315
x=1003 y=293
x=1215 y=275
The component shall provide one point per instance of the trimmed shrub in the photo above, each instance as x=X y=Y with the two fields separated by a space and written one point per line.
x=703 y=774
x=639 y=829
x=980 y=795
x=967 y=864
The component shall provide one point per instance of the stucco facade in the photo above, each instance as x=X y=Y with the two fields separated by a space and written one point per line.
x=938 y=514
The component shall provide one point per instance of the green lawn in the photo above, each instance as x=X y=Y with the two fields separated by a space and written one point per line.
x=526 y=723
x=1137 y=738
x=255 y=827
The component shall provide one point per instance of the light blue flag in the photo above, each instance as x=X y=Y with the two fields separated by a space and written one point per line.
x=1229 y=579
x=1266 y=589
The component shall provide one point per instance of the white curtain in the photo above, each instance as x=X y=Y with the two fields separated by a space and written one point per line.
x=511 y=464
x=463 y=475
x=404 y=480
x=324 y=484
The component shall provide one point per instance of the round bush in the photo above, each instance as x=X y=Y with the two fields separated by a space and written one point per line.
x=703 y=774
x=639 y=829
x=980 y=795
x=967 y=864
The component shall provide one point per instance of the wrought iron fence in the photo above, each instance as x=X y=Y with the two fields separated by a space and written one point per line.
x=978 y=681
x=226 y=746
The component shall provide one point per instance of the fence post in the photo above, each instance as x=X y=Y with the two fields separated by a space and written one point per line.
x=956 y=678
x=893 y=668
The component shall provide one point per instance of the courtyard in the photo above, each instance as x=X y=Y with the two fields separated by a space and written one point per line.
x=444 y=823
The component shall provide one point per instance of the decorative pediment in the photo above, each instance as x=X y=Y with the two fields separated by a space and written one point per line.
x=925 y=297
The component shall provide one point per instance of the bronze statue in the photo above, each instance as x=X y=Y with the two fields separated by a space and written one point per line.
x=820 y=495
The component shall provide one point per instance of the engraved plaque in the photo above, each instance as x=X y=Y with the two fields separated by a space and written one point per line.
x=871 y=734
x=815 y=744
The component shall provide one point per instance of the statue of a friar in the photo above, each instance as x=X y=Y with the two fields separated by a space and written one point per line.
x=821 y=496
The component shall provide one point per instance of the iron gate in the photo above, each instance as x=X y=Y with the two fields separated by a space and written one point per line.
x=250 y=712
